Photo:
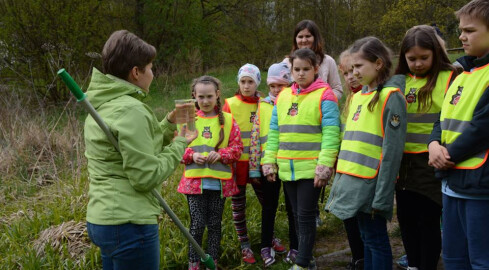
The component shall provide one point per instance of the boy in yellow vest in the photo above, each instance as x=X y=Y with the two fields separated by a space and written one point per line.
x=459 y=147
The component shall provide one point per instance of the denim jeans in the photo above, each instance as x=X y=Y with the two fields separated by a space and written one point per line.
x=127 y=246
x=304 y=198
x=378 y=253
x=465 y=241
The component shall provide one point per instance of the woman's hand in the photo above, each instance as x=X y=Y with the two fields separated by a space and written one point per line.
x=199 y=158
x=172 y=116
x=213 y=157
x=439 y=157
x=323 y=174
x=187 y=134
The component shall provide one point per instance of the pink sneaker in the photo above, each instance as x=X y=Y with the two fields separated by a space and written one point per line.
x=278 y=247
x=248 y=256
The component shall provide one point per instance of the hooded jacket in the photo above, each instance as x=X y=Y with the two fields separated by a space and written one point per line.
x=121 y=182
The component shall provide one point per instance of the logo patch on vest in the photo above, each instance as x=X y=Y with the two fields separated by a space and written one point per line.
x=206 y=133
x=357 y=113
x=294 y=109
x=456 y=97
x=252 y=117
x=395 y=120
x=411 y=96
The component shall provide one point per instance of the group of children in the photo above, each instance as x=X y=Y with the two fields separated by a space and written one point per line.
x=384 y=143
x=293 y=136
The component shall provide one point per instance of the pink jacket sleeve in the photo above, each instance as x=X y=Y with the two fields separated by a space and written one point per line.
x=233 y=151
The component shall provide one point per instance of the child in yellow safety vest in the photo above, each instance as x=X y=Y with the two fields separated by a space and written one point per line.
x=371 y=151
x=278 y=77
x=351 y=224
x=243 y=106
x=303 y=143
x=428 y=74
x=208 y=176
x=459 y=147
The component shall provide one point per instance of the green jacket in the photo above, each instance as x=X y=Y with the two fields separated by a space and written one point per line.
x=121 y=182
x=349 y=194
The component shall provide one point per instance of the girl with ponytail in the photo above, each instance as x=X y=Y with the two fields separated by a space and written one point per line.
x=208 y=175
x=371 y=151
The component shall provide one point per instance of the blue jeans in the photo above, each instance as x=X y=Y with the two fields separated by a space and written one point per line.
x=465 y=241
x=377 y=248
x=127 y=246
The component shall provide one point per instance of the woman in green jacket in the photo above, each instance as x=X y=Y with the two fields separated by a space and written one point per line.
x=122 y=213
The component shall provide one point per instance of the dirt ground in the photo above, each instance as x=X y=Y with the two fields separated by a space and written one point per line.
x=333 y=252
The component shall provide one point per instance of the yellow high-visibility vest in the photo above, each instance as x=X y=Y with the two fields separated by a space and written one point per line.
x=420 y=124
x=458 y=109
x=265 y=110
x=361 y=149
x=244 y=114
x=208 y=137
x=299 y=123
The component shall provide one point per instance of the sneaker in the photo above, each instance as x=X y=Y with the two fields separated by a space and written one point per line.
x=355 y=265
x=402 y=262
x=268 y=256
x=248 y=256
x=193 y=265
x=296 y=267
x=278 y=247
x=290 y=258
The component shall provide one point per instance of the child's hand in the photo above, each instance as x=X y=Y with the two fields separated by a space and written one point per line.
x=272 y=177
x=213 y=157
x=270 y=171
x=189 y=135
x=323 y=174
x=439 y=157
x=199 y=158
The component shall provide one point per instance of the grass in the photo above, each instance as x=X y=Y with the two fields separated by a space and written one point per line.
x=44 y=184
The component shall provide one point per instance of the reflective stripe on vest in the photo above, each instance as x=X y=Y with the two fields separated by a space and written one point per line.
x=361 y=149
x=420 y=124
x=265 y=110
x=299 y=124
x=244 y=114
x=458 y=110
x=208 y=135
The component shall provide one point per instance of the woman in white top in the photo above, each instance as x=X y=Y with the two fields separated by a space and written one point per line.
x=307 y=35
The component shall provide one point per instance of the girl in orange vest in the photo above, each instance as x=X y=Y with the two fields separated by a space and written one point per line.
x=418 y=193
x=371 y=151
x=206 y=195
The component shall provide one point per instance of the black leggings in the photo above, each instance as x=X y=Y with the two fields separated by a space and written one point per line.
x=304 y=198
x=354 y=238
x=271 y=194
x=206 y=210
x=419 y=220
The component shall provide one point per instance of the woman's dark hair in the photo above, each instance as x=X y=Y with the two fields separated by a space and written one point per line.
x=304 y=54
x=123 y=51
x=425 y=37
x=372 y=49
x=317 y=45
x=209 y=80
